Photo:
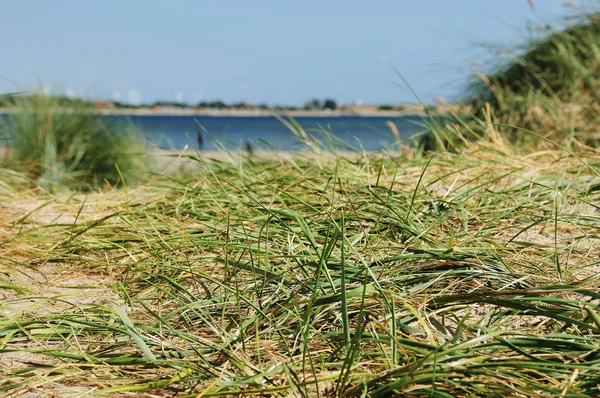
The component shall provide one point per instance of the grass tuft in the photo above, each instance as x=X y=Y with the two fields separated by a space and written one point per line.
x=68 y=147
x=549 y=86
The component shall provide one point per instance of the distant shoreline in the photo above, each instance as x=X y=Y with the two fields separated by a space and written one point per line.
x=235 y=113
x=229 y=113
x=414 y=111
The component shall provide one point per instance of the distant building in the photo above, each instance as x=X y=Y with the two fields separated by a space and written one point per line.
x=104 y=105
x=363 y=108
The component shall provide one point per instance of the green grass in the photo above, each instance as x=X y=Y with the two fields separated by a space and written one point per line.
x=347 y=275
x=71 y=147
x=549 y=86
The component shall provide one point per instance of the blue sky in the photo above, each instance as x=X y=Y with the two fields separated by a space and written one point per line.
x=269 y=51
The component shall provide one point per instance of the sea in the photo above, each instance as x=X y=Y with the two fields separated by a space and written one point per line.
x=368 y=133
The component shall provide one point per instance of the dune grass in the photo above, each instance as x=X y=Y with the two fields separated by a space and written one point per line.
x=549 y=86
x=446 y=274
x=71 y=148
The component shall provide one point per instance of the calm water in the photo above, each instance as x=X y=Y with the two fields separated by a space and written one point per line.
x=175 y=132
x=265 y=132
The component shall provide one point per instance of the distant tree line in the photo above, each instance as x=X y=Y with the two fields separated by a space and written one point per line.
x=64 y=101
x=316 y=103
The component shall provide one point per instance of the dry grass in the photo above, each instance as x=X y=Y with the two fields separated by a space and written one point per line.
x=474 y=273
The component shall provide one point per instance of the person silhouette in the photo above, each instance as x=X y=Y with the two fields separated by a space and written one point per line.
x=200 y=138
x=249 y=147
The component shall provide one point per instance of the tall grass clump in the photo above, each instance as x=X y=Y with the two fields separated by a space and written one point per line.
x=68 y=147
x=551 y=86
